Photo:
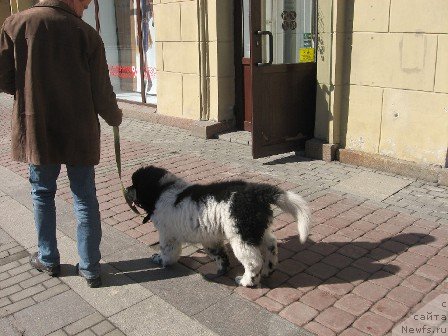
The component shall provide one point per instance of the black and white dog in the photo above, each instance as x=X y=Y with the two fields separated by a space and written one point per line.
x=208 y=214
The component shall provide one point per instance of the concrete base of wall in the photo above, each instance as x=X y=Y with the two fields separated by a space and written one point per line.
x=401 y=167
x=210 y=129
x=319 y=150
x=202 y=129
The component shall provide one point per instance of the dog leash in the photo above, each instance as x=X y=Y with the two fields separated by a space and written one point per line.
x=118 y=161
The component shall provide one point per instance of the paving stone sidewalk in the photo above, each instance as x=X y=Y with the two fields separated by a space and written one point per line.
x=377 y=250
x=137 y=297
x=33 y=303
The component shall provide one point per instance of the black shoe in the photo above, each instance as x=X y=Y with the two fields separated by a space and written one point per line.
x=53 y=271
x=93 y=282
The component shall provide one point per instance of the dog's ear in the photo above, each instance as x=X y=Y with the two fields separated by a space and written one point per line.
x=139 y=174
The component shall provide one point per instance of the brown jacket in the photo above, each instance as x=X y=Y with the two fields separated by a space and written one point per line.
x=55 y=66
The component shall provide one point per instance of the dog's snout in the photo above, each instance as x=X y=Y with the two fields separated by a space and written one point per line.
x=130 y=194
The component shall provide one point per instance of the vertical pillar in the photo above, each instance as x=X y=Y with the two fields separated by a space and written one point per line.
x=221 y=60
x=195 y=59
x=330 y=80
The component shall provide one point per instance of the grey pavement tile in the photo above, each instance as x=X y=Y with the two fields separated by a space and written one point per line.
x=240 y=137
x=37 y=279
x=53 y=314
x=15 y=307
x=87 y=332
x=400 y=209
x=16 y=187
x=51 y=283
x=14 y=280
x=183 y=288
x=131 y=258
x=20 y=269
x=83 y=324
x=4 y=302
x=14 y=257
x=190 y=294
x=114 y=240
x=373 y=186
x=236 y=316
x=7 y=327
x=118 y=291
x=21 y=194
x=9 y=245
x=12 y=213
x=15 y=250
x=59 y=332
x=115 y=332
x=154 y=316
x=24 y=260
x=53 y=291
x=27 y=293
x=10 y=180
x=426 y=216
x=10 y=290
x=103 y=328
x=4 y=238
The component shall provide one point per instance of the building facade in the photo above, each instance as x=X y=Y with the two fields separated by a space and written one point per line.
x=386 y=87
x=382 y=66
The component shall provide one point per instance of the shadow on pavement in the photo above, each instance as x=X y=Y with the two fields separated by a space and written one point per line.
x=289 y=159
x=305 y=265
x=315 y=263
x=143 y=270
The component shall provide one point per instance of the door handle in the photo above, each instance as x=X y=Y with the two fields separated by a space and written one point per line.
x=271 y=46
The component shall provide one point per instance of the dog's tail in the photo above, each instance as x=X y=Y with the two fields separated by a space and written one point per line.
x=295 y=205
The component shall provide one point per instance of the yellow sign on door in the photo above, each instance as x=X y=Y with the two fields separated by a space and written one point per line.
x=306 y=55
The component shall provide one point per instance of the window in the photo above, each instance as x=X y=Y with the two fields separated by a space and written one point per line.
x=122 y=23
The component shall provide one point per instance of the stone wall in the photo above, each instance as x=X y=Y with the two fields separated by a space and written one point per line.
x=383 y=84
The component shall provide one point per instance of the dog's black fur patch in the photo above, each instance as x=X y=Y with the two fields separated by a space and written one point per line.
x=250 y=208
x=145 y=181
x=219 y=191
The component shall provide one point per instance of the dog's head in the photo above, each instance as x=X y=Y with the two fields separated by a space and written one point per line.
x=148 y=183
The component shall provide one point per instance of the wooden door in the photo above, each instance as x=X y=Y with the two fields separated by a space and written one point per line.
x=282 y=95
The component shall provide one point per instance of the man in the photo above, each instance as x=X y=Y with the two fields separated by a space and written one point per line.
x=55 y=66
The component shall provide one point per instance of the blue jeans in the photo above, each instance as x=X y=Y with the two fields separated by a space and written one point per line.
x=82 y=184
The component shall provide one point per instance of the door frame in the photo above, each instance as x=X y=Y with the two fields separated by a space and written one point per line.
x=244 y=85
x=239 y=68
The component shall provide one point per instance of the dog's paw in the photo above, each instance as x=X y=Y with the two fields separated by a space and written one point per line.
x=240 y=281
x=156 y=259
